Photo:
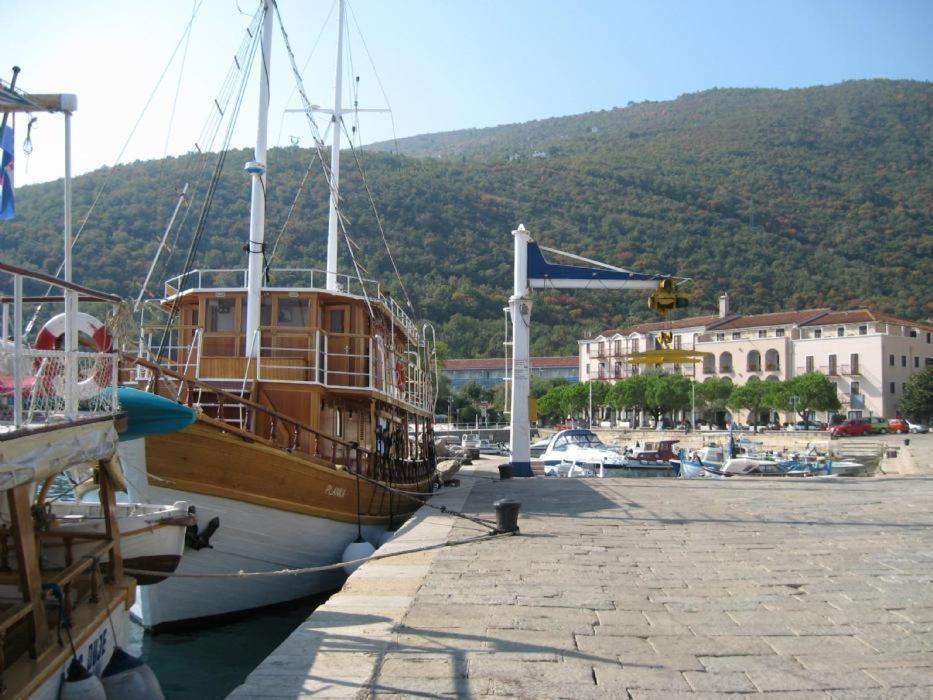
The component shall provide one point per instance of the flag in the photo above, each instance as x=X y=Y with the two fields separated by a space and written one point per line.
x=7 y=210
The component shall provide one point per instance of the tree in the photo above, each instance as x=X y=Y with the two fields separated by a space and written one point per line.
x=629 y=393
x=754 y=396
x=808 y=392
x=667 y=393
x=713 y=393
x=917 y=403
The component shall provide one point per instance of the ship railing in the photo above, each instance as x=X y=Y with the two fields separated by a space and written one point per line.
x=346 y=361
x=292 y=278
x=275 y=429
x=42 y=386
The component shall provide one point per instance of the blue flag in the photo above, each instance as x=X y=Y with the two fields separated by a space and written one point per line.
x=7 y=210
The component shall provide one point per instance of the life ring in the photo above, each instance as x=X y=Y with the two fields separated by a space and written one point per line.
x=48 y=338
x=400 y=376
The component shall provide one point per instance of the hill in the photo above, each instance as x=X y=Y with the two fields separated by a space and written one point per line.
x=785 y=198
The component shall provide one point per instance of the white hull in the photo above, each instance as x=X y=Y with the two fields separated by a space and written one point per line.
x=250 y=538
x=148 y=539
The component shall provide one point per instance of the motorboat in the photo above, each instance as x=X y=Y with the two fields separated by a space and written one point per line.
x=571 y=470
x=582 y=447
x=650 y=456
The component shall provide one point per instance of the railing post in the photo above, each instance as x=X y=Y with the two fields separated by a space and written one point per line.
x=114 y=382
x=17 y=351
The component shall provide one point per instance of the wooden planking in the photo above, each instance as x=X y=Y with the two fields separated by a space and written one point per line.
x=108 y=502
x=203 y=459
x=20 y=501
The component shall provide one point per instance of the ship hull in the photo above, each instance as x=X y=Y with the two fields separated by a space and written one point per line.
x=276 y=511
x=250 y=538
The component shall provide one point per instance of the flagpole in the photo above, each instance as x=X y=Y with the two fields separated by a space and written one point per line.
x=6 y=115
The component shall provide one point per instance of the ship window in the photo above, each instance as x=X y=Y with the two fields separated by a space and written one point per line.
x=221 y=315
x=265 y=312
x=335 y=320
x=293 y=313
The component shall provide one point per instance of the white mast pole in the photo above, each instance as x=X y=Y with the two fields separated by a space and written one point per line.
x=71 y=298
x=335 y=160
x=520 y=310
x=257 y=169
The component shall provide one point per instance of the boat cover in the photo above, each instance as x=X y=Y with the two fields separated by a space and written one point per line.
x=31 y=457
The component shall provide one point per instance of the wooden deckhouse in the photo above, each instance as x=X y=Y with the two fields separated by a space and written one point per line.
x=337 y=386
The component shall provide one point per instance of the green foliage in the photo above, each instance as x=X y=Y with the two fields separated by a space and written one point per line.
x=666 y=393
x=629 y=393
x=808 y=392
x=787 y=198
x=755 y=396
x=713 y=393
x=917 y=402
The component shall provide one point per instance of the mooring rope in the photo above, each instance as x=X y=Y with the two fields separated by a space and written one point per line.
x=417 y=497
x=319 y=569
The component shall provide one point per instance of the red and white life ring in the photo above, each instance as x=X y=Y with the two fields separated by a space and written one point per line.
x=400 y=376
x=54 y=329
x=99 y=377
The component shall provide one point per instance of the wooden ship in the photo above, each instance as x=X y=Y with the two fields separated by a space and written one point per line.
x=314 y=392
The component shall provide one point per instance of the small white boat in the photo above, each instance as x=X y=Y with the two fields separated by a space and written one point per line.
x=580 y=447
x=570 y=470
x=152 y=536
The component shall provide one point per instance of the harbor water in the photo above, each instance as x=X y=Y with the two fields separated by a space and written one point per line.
x=205 y=662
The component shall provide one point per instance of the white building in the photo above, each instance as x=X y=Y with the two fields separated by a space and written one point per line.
x=868 y=355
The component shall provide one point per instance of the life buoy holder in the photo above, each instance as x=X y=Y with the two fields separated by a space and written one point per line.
x=400 y=376
x=47 y=339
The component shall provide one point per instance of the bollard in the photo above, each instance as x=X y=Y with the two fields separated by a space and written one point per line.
x=507 y=515
x=505 y=471
x=906 y=442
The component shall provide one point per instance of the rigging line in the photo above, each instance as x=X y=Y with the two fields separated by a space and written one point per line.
x=109 y=174
x=376 y=73
x=197 y=165
x=372 y=202
x=171 y=118
x=304 y=67
x=209 y=195
x=306 y=103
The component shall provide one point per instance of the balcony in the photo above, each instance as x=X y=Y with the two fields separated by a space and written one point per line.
x=772 y=367
x=753 y=368
x=849 y=370
x=829 y=370
x=709 y=370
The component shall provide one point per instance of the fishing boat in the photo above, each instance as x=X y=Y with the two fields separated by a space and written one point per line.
x=64 y=594
x=314 y=393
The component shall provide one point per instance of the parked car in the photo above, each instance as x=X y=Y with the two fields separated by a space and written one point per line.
x=852 y=427
x=878 y=424
x=898 y=425
x=918 y=427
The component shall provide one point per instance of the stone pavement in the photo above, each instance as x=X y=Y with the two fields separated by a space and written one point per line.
x=641 y=588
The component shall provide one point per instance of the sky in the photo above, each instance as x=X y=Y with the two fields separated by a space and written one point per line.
x=439 y=65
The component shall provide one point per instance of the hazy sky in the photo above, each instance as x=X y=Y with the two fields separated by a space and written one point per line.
x=444 y=65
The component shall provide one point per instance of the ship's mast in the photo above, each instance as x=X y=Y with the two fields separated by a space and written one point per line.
x=257 y=169
x=332 y=221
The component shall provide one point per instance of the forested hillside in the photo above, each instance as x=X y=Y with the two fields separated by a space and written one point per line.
x=818 y=196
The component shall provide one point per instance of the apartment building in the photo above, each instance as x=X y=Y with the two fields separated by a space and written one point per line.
x=868 y=355
x=490 y=372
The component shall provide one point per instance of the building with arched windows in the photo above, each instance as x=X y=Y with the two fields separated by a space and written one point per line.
x=868 y=355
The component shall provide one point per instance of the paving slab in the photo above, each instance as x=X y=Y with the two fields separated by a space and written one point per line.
x=637 y=588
